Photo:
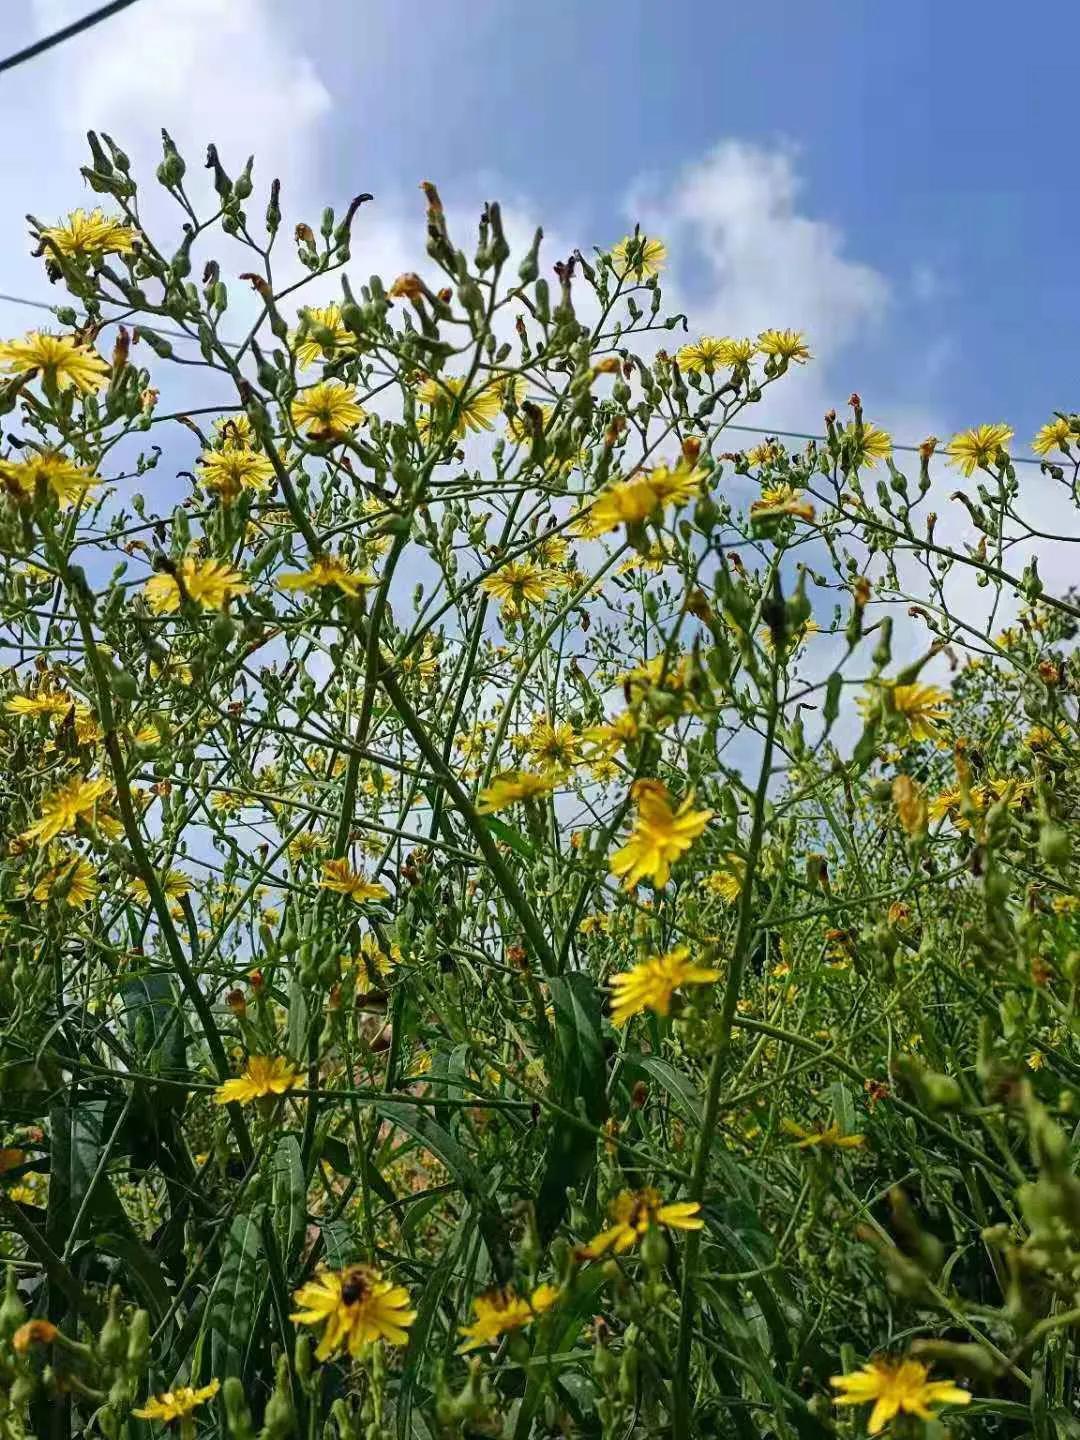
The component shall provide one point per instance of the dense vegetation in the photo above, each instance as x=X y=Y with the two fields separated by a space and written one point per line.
x=521 y=916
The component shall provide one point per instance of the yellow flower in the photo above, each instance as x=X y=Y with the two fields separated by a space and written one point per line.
x=794 y=639
x=500 y=1311
x=765 y=453
x=178 y=1403
x=897 y=1387
x=829 y=1137
x=778 y=500
x=309 y=351
x=340 y=877
x=64 y=808
x=73 y=881
x=1056 y=434
x=650 y=985
x=209 y=584
x=91 y=233
x=553 y=747
x=60 y=358
x=980 y=446
x=476 y=410
x=635 y=1212
x=67 y=481
x=629 y=502
x=784 y=345
x=356 y=1306
x=327 y=570
x=706 y=355
x=909 y=801
x=174 y=883
x=235 y=432
x=235 y=469
x=508 y=789
x=639 y=257
x=520 y=583
x=613 y=735
x=327 y=410
x=659 y=835
x=261 y=1076
x=920 y=707
x=868 y=446
x=45 y=702
x=1036 y=1060
x=727 y=883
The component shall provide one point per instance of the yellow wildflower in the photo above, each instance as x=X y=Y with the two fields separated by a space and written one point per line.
x=340 y=877
x=613 y=735
x=658 y=837
x=231 y=471
x=785 y=345
x=91 y=233
x=261 y=1076
x=650 y=985
x=634 y=1212
x=909 y=801
x=327 y=411
x=356 y=1306
x=868 y=445
x=638 y=257
x=210 y=584
x=520 y=583
x=476 y=409
x=980 y=446
x=174 y=883
x=780 y=500
x=67 y=481
x=705 y=355
x=896 y=1387
x=309 y=351
x=61 y=359
x=1056 y=434
x=73 y=881
x=45 y=702
x=727 y=883
x=509 y=788
x=329 y=570
x=177 y=1404
x=64 y=808
x=920 y=707
x=553 y=747
x=829 y=1137
x=500 y=1311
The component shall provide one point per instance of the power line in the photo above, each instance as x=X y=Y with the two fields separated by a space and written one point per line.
x=745 y=429
x=66 y=33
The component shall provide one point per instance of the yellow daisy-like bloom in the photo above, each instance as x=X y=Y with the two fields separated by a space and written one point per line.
x=64 y=808
x=706 y=355
x=308 y=351
x=613 y=735
x=340 y=877
x=174 y=883
x=650 y=985
x=789 y=345
x=261 y=1076
x=1054 y=435
x=515 y=785
x=356 y=1306
x=921 y=707
x=234 y=470
x=236 y=432
x=635 y=1212
x=327 y=411
x=780 y=500
x=795 y=638
x=727 y=883
x=73 y=881
x=45 y=702
x=178 y=1403
x=553 y=747
x=638 y=257
x=765 y=453
x=981 y=446
x=67 y=481
x=60 y=358
x=91 y=233
x=896 y=1387
x=478 y=409
x=520 y=583
x=659 y=835
x=829 y=1137
x=210 y=584
x=869 y=445
x=503 y=1310
x=327 y=570
x=629 y=502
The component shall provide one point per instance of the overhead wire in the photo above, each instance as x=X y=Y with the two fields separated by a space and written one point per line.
x=66 y=32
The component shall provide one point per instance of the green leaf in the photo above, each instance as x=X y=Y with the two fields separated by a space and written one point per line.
x=562 y=1327
x=289 y=1190
x=420 y=1332
x=509 y=836
x=579 y=1084
x=240 y=1281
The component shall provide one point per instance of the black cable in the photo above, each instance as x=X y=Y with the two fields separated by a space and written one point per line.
x=59 y=36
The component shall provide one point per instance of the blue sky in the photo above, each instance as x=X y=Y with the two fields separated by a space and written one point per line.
x=921 y=155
